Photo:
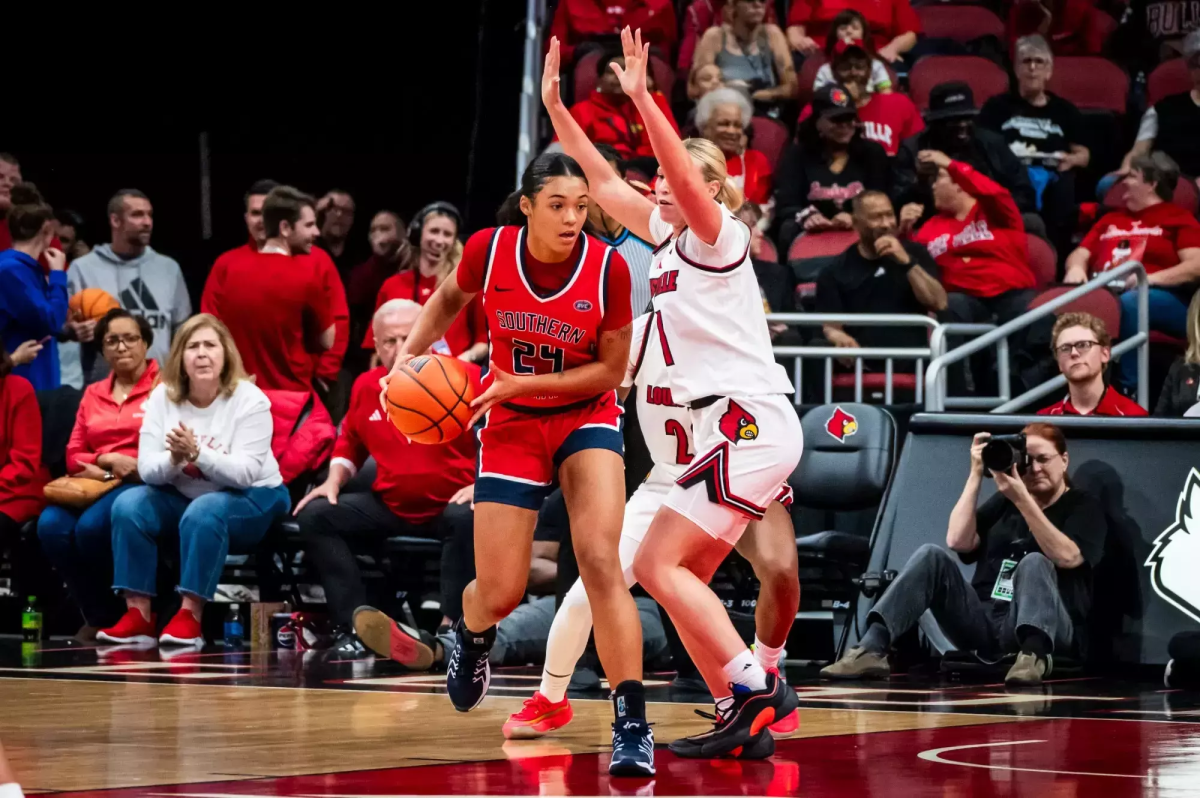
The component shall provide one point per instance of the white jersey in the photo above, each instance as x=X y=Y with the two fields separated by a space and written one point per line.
x=709 y=318
x=666 y=426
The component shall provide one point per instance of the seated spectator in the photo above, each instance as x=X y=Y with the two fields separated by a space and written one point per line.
x=1043 y=130
x=335 y=219
x=888 y=118
x=204 y=454
x=723 y=117
x=703 y=80
x=1155 y=231
x=1082 y=347
x=608 y=116
x=1181 y=391
x=978 y=241
x=142 y=280
x=434 y=234
x=698 y=18
x=880 y=274
x=390 y=254
x=830 y=164
x=849 y=31
x=279 y=337
x=752 y=54
x=1169 y=125
x=33 y=304
x=1152 y=31
x=582 y=25
x=22 y=475
x=1034 y=545
x=1068 y=25
x=892 y=25
x=103 y=447
x=638 y=254
x=951 y=129
x=419 y=490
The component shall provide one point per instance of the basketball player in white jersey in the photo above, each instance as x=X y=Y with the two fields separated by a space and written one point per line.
x=770 y=546
x=710 y=325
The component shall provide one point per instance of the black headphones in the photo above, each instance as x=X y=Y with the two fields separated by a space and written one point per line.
x=418 y=222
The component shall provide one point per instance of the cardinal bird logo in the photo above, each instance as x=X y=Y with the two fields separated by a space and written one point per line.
x=1175 y=559
x=841 y=425
x=738 y=425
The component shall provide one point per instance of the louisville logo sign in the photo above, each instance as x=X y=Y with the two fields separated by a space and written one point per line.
x=1175 y=560
x=841 y=425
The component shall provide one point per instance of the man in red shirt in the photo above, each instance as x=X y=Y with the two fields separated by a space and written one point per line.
x=1155 y=231
x=609 y=117
x=893 y=25
x=978 y=241
x=273 y=301
x=1082 y=347
x=418 y=490
x=579 y=22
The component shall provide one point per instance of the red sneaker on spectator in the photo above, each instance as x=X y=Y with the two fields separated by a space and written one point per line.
x=789 y=724
x=183 y=630
x=132 y=628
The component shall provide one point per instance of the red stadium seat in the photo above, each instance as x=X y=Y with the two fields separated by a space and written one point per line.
x=586 y=74
x=1170 y=77
x=1102 y=304
x=960 y=23
x=1093 y=84
x=983 y=76
x=1162 y=339
x=807 y=76
x=769 y=252
x=770 y=137
x=875 y=381
x=1043 y=259
x=821 y=245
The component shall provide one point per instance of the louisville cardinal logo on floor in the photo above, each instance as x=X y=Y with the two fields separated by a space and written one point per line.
x=738 y=425
x=841 y=425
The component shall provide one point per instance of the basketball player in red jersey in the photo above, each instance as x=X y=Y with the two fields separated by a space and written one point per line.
x=712 y=332
x=559 y=320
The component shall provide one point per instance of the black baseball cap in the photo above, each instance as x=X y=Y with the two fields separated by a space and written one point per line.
x=951 y=100
x=833 y=102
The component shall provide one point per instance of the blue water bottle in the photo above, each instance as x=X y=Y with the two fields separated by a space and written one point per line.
x=235 y=631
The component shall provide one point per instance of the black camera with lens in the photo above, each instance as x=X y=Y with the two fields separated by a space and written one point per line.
x=1002 y=452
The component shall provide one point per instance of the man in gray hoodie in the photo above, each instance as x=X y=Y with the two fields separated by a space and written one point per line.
x=145 y=282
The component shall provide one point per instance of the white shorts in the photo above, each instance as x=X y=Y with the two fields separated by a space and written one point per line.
x=746 y=448
x=641 y=508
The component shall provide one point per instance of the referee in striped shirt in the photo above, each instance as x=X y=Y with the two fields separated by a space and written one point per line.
x=635 y=251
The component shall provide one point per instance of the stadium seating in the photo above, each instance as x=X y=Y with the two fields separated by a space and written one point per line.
x=983 y=76
x=1092 y=83
x=1187 y=195
x=1169 y=77
x=1043 y=259
x=959 y=23
x=811 y=252
x=1103 y=305
x=768 y=252
x=770 y=137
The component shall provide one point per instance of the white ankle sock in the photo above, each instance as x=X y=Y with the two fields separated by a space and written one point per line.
x=11 y=790
x=767 y=657
x=745 y=670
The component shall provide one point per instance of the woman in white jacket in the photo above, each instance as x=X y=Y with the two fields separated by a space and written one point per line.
x=205 y=456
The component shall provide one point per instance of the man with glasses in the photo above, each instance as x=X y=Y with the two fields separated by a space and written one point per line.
x=1034 y=544
x=1082 y=347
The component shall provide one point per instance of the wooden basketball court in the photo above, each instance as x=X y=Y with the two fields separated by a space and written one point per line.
x=223 y=725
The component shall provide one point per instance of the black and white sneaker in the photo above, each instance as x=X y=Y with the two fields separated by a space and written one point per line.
x=750 y=715
x=633 y=748
x=761 y=746
x=468 y=673
x=346 y=645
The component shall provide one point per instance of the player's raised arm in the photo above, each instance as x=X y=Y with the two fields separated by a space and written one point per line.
x=693 y=196
x=618 y=199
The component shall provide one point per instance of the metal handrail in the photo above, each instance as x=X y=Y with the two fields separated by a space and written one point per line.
x=935 y=398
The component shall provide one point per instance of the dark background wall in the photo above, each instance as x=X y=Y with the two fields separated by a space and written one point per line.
x=401 y=106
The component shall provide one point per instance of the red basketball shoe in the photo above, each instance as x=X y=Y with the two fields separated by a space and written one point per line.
x=132 y=628
x=538 y=717
x=789 y=724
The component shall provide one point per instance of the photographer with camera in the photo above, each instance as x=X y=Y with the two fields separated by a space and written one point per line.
x=1034 y=543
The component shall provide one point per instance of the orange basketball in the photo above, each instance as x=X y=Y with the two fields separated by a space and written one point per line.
x=91 y=304
x=429 y=399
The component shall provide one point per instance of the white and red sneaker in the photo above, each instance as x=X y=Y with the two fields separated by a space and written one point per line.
x=132 y=628
x=788 y=724
x=537 y=718
x=183 y=630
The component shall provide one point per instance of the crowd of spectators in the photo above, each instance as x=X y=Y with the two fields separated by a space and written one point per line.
x=204 y=429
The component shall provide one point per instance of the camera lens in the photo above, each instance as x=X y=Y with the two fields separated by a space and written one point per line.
x=998 y=456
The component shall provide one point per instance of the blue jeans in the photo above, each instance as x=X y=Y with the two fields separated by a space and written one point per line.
x=78 y=544
x=207 y=527
x=1168 y=314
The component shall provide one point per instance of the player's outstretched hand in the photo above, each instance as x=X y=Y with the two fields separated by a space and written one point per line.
x=401 y=359
x=504 y=387
x=551 y=84
x=637 y=55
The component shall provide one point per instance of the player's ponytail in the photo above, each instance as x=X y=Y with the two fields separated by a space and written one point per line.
x=712 y=163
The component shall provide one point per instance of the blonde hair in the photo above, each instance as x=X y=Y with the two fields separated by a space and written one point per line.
x=712 y=164
x=449 y=261
x=1193 y=330
x=174 y=375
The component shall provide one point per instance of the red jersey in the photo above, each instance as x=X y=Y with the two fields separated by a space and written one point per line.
x=613 y=119
x=1112 y=403
x=888 y=119
x=22 y=474
x=886 y=19
x=545 y=317
x=751 y=172
x=986 y=253
x=415 y=481
x=467 y=329
x=1152 y=235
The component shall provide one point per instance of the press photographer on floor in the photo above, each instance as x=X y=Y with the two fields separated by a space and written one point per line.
x=1034 y=543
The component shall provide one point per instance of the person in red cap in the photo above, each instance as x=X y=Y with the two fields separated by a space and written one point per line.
x=1083 y=347
x=849 y=27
